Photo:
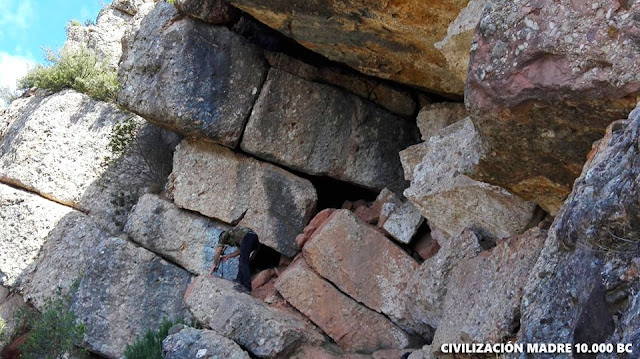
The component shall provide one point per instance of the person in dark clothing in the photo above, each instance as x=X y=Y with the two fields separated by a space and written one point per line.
x=247 y=241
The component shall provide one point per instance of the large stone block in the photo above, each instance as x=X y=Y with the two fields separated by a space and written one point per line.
x=264 y=331
x=25 y=222
x=450 y=200
x=362 y=262
x=420 y=43
x=353 y=326
x=545 y=80
x=321 y=130
x=200 y=344
x=183 y=237
x=190 y=77
x=482 y=303
x=234 y=188
x=125 y=291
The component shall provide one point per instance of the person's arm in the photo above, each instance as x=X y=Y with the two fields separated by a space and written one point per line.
x=216 y=259
x=234 y=254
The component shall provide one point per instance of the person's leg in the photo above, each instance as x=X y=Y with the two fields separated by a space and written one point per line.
x=249 y=242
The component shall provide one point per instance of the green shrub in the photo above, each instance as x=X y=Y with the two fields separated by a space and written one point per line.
x=7 y=95
x=52 y=332
x=72 y=23
x=149 y=346
x=2 y=325
x=80 y=70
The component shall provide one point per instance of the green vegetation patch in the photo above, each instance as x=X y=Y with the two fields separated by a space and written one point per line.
x=149 y=346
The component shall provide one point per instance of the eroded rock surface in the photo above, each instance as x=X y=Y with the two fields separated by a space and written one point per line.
x=217 y=12
x=320 y=130
x=234 y=188
x=190 y=77
x=200 y=344
x=434 y=117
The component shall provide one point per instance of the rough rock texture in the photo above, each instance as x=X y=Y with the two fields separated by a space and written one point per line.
x=25 y=222
x=403 y=222
x=190 y=77
x=130 y=7
x=275 y=203
x=264 y=331
x=317 y=222
x=183 y=237
x=200 y=344
x=362 y=262
x=10 y=304
x=383 y=94
x=434 y=117
x=424 y=353
x=586 y=273
x=353 y=326
x=384 y=205
x=56 y=146
x=482 y=304
x=217 y=12
x=427 y=288
x=546 y=78
x=320 y=130
x=389 y=40
x=126 y=291
x=452 y=201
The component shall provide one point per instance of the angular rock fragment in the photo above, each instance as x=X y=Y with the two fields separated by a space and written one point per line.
x=234 y=188
x=362 y=262
x=193 y=78
x=126 y=291
x=452 y=201
x=353 y=326
x=183 y=237
x=321 y=130
x=434 y=117
x=266 y=332
x=403 y=222
x=200 y=343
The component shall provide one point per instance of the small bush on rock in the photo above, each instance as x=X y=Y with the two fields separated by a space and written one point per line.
x=80 y=70
x=149 y=346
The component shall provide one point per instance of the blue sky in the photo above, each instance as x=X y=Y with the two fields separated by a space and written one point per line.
x=28 y=25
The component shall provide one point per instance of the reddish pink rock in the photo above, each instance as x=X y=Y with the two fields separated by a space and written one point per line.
x=313 y=226
x=263 y=277
x=426 y=246
x=353 y=326
x=366 y=214
x=362 y=262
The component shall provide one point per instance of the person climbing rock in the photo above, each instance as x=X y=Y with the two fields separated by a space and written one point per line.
x=247 y=241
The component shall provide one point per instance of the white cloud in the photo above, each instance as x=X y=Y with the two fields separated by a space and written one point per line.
x=12 y=68
x=16 y=14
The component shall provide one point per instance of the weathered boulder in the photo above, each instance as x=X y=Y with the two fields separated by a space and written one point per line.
x=450 y=200
x=545 y=80
x=383 y=94
x=403 y=222
x=200 y=344
x=58 y=147
x=361 y=262
x=427 y=288
x=275 y=203
x=353 y=326
x=392 y=41
x=125 y=291
x=321 y=130
x=190 y=77
x=217 y=12
x=130 y=7
x=25 y=222
x=579 y=291
x=434 y=117
x=264 y=331
x=482 y=304
x=183 y=237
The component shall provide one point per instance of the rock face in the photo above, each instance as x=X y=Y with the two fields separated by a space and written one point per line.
x=264 y=331
x=482 y=303
x=130 y=7
x=200 y=344
x=434 y=117
x=353 y=326
x=545 y=80
x=185 y=238
x=126 y=291
x=25 y=222
x=361 y=262
x=185 y=75
x=317 y=129
x=392 y=41
x=213 y=11
x=452 y=201
x=275 y=203
x=586 y=272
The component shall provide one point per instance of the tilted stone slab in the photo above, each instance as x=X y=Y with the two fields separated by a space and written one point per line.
x=183 y=237
x=25 y=222
x=191 y=77
x=234 y=188
x=353 y=326
x=265 y=331
x=321 y=130
x=126 y=291
x=200 y=343
x=362 y=262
